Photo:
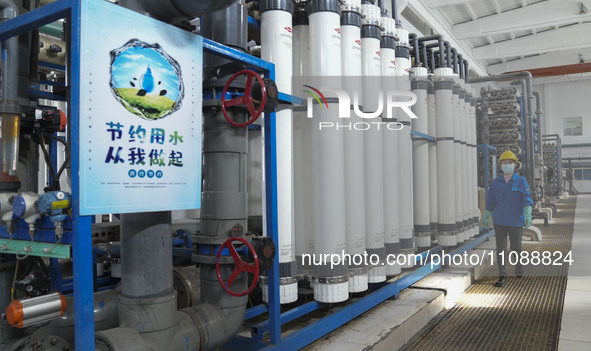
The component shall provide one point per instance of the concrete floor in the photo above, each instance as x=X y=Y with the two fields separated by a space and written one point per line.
x=576 y=314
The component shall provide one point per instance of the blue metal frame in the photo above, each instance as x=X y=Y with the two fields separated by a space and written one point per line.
x=81 y=226
x=422 y=135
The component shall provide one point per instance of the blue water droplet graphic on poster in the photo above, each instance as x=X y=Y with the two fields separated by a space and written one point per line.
x=146 y=80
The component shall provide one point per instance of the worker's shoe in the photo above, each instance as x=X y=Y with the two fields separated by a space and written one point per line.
x=501 y=282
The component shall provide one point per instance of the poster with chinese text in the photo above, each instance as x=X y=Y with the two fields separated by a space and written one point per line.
x=140 y=113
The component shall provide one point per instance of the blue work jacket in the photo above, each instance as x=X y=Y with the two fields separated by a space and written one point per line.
x=506 y=200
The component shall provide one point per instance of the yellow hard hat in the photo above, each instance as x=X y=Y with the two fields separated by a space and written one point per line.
x=508 y=155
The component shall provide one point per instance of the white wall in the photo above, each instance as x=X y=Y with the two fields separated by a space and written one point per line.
x=568 y=99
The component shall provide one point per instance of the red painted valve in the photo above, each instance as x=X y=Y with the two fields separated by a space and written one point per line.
x=240 y=266
x=246 y=99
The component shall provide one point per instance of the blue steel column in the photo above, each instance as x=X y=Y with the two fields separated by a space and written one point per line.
x=272 y=225
x=82 y=239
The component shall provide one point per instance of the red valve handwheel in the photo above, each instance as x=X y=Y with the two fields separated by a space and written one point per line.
x=246 y=99
x=240 y=266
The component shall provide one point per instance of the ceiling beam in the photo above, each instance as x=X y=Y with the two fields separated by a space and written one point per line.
x=571 y=37
x=560 y=70
x=441 y=26
x=566 y=57
x=442 y=3
x=545 y=13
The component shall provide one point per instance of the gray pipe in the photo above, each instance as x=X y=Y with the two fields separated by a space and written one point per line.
x=106 y=315
x=146 y=254
x=540 y=115
x=395 y=14
x=10 y=51
x=148 y=315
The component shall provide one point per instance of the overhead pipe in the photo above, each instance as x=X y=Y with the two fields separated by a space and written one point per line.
x=425 y=56
x=455 y=60
x=440 y=44
x=415 y=48
x=448 y=55
x=395 y=14
x=466 y=71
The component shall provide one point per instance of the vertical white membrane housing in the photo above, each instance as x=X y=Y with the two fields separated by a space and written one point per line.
x=390 y=153
x=465 y=174
x=446 y=195
x=331 y=280
x=458 y=159
x=373 y=142
x=469 y=151
x=353 y=148
x=303 y=151
x=277 y=47
x=420 y=156
x=474 y=159
x=405 y=180
x=432 y=158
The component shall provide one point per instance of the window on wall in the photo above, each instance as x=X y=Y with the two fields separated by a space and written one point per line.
x=572 y=126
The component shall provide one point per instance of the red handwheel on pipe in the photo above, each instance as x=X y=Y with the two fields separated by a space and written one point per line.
x=246 y=99
x=240 y=266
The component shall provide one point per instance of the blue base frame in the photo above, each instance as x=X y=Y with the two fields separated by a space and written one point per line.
x=339 y=317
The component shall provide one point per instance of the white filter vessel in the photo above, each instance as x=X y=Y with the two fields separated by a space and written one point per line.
x=472 y=192
x=390 y=154
x=354 y=155
x=420 y=155
x=446 y=195
x=277 y=47
x=466 y=173
x=373 y=142
x=332 y=281
x=474 y=160
x=432 y=158
x=458 y=161
x=405 y=154
x=303 y=152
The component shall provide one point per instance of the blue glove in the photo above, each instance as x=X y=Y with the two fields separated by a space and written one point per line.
x=486 y=219
x=527 y=216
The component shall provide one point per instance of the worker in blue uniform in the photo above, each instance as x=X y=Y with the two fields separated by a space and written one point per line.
x=509 y=203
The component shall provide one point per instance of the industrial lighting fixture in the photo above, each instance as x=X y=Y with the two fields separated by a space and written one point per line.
x=582 y=9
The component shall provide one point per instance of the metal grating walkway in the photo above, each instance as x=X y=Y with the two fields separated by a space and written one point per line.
x=524 y=315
